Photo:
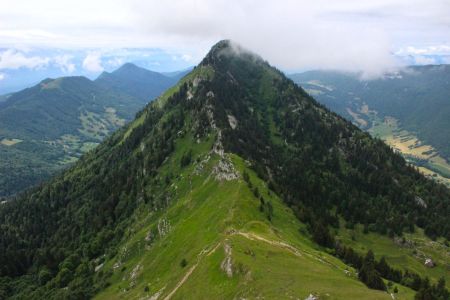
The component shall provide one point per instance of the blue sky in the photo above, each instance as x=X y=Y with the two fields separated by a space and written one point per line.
x=50 y=38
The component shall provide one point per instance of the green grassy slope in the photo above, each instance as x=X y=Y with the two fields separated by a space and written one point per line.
x=406 y=253
x=268 y=259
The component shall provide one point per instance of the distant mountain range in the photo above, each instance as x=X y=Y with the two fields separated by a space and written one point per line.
x=137 y=82
x=47 y=126
x=410 y=109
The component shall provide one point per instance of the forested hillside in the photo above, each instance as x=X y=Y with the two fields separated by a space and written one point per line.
x=418 y=97
x=232 y=184
x=49 y=126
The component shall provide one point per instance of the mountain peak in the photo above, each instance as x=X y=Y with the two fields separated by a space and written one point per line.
x=132 y=69
x=128 y=66
x=228 y=49
x=222 y=44
x=62 y=82
x=136 y=81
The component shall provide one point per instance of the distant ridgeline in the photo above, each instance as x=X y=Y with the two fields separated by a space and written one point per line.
x=46 y=127
x=409 y=109
x=233 y=184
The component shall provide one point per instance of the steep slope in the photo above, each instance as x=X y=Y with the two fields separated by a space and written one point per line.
x=216 y=243
x=48 y=126
x=177 y=75
x=51 y=124
x=217 y=190
x=413 y=103
x=138 y=82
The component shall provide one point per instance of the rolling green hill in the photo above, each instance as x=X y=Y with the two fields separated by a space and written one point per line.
x=417 y=98
x=46 y=127
x=235 y=183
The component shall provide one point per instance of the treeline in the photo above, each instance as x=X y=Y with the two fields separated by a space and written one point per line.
x=371 y=272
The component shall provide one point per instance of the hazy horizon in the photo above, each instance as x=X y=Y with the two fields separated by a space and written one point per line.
x=51 y=38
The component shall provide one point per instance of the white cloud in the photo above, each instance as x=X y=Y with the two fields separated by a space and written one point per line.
x=64 y=62
x=292 y=34
x=2 y=76
x=428 y=50
x=115 y=61
x=29 y=34
x=186 y=57
x=93 y=63
x=182 y=57
x=13 y=59
x=424 y=60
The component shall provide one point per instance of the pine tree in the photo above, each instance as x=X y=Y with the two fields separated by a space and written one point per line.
x=369 y=275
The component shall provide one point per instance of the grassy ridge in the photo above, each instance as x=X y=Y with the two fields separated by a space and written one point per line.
x=268 y=258
x=163 y=213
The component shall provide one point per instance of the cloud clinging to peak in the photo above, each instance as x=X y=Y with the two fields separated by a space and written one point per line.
x=345 y=34
x=292 y=34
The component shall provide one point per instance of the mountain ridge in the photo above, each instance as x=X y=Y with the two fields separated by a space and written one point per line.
x=237 y=174
x=136 y=81
x=48 y=126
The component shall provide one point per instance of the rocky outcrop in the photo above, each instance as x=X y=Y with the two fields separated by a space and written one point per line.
x=163 y=227
x=429 y=263
x=97 y=268
x=227 y=264
x=420 y=202
x=312 y=297
x=134 y=274
x=232 y=121
x=149 y=237
x=224 y=170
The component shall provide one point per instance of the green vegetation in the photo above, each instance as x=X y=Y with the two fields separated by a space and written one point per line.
x=197 y=199
x=45 y=128
x=423 y=156
x=417 y=97
x=408 y=252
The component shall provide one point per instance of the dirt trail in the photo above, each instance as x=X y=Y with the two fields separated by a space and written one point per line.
x=183 y=280
x=290 y=248
x=191 y=269
x=252 y=236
